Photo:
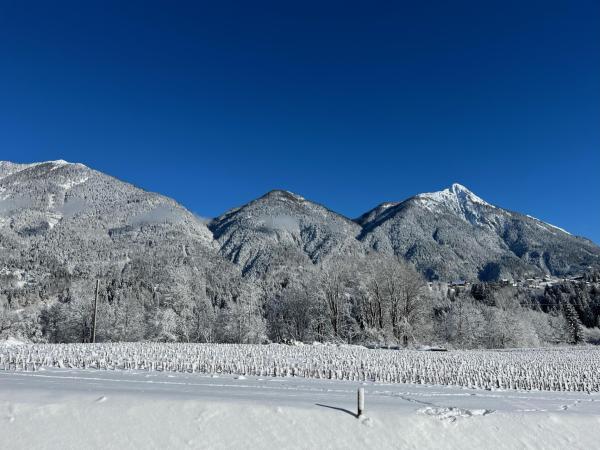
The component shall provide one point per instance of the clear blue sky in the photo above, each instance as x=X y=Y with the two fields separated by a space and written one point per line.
x=347 y=103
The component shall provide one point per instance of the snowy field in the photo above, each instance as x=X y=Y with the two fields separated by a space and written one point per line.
x=164 y=401
x=76 y=408
x=548 y=369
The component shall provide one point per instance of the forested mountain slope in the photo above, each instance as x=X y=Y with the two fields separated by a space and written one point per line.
x=281 y=223
x=280 y=267
x=63 y=225
x=453 y=234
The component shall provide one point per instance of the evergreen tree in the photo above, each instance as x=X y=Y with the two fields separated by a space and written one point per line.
x=574 y=329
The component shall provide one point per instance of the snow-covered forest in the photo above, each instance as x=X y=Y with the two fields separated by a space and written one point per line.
x=282 y=268
x=381 y=301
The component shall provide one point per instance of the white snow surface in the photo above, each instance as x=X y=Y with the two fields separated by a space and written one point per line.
x=457 y=193
x=8 y=168
x=75 y=409
x=11 y=342
x=458 y=199
x=70 y=184
x=548 y=225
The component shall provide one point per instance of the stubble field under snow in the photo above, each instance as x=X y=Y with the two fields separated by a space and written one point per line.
x=213 y=396
x=548 y=369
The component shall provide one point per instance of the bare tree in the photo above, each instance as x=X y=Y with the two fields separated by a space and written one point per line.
x=398 y=296
x=336 y=291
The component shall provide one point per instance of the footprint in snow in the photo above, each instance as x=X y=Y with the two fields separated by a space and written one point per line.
x=451 y=414
x=101 y=399
x=572 y=405
x=366 y=421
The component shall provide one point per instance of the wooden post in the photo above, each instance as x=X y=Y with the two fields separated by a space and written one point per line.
x=361 y=402
x=95 y=312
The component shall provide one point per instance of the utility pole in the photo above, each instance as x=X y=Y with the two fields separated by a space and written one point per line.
x=95 y=312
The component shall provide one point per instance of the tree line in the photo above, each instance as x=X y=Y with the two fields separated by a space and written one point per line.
x=376 y=300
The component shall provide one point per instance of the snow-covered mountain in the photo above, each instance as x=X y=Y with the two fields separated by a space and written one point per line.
x=67 y=219
x=449 y=235
x=285 y=227
x=166 y=275
x=454 y=234
x=63 y=223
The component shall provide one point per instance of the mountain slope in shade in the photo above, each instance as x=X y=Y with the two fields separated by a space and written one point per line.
x=279 y=225
x=453 y=234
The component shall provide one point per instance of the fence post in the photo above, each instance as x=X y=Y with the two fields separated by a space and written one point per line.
x=361 y=402
x=95 y=312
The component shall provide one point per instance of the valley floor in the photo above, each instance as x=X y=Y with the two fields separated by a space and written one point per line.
x=64 y=409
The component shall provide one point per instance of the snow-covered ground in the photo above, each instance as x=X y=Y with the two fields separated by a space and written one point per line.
x=74 y=408
x=551 y=369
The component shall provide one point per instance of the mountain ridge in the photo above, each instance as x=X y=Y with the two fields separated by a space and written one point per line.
x=447 y=234
x=492 y=241
x=310 y=232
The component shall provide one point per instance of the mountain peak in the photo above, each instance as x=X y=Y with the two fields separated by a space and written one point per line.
x=457 y=187
x=58 y=162
x=456 y=194
x=8 y=168
x=283 y=195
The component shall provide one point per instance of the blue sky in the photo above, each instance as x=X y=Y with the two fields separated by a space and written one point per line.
x=347 y=103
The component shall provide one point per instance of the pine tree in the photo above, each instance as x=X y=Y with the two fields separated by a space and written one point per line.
x=574 y=329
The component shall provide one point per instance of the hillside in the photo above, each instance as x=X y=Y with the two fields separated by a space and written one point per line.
x=453 y=234
x=284 y=226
